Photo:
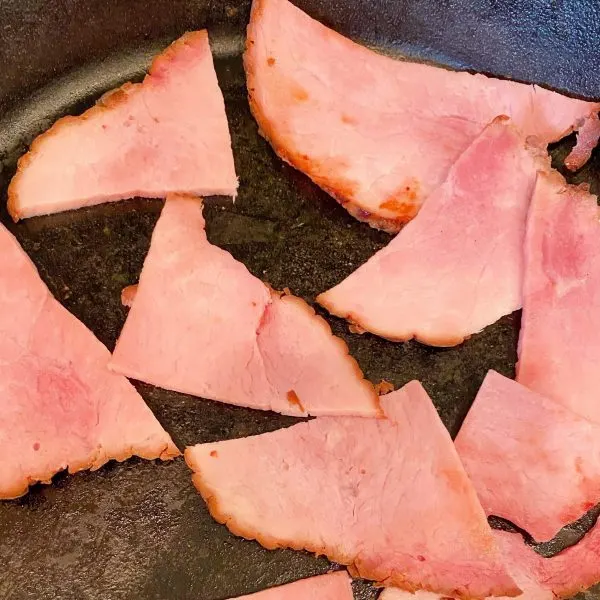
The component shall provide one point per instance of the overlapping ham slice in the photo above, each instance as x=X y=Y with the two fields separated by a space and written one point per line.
x=516 y=558
x=334 y=586
x=202 y=324
x=389 y=497
x=562 y=576
x=531 y=460
x=59 y=405
x=167 y=134
x=458 y=266
x=559 y=347
x=380 y=134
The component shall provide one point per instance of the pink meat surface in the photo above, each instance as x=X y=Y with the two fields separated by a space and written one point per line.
x=59 y=405
x=564 y=575
x=559 y=347
x=378 y=134
x=167 y=134
x=334 y=586
x=531 y=460
x=516 y=561
x=587 y=139
x=458 y=266
x=389 y=497
x=202 y=324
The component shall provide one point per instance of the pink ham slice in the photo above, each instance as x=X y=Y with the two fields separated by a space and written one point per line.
x=335 y=586
x=380 y=134
x=518 y=449
x=516 y=558
x=201 y=324
x=458 y=266
x=559 y=347
x=59 y=406
x=167 y=134
x=389 y=497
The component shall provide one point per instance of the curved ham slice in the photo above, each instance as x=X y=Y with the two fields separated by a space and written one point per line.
x=379 y=134
x=531 y=460
x=516 y=560
x=202 y=324
x=334 y=586
x=389 y=497
x=458 y=266
x=167 y=134
x=59 y=405
x=559 y=346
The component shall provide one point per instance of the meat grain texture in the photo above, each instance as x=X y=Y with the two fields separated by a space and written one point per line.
x=458 y=266
x=532 y=461
x=389 y=497
x=559 y=343
x=380 y=134
x=202 y=324
x=60 y=407
x=166 y=134
x=334 y=586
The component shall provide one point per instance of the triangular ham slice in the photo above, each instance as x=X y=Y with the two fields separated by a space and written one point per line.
x=531 y=460
x=334 y=586
x=559 y=347
x=202 y=324
x=59 y=405
x=516 y=563
x=376 y=133
x=458 y=266
x=389 y=497
x=167 y=134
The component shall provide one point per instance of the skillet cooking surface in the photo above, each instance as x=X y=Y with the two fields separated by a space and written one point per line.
x=139 y=530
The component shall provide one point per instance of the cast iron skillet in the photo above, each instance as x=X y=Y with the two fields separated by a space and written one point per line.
x=138 y=530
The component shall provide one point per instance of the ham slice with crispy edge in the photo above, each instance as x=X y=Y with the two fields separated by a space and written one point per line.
x=202 y=324
x=389 y=497
x=458 y=266
x=60 y=408
x=562 y=576
x=333 y=586
x=380 y=134
x=559 y=346
x=516 y=558
x=167 y=134
x=531 y=460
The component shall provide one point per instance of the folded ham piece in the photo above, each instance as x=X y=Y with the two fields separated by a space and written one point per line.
x=335 y=586
x=519 y=451
x=389 y=497
x=516 y=560
x=59 y=405
x=559 y=347
x=376 y=133
x=202 y=324
x=167 y=134
x=458 y=266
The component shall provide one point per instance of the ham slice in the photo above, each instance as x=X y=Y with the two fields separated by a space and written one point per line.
x=517 y=559
x=518 y=449
x=167 y=134
x=379 y=134
x=334 y=586
x=559 y=347
x=458 y=266
x=202 y=324
x=59 y=406
x=389 y=497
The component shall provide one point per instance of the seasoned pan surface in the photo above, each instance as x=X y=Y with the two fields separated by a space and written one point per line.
x=139 y=530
